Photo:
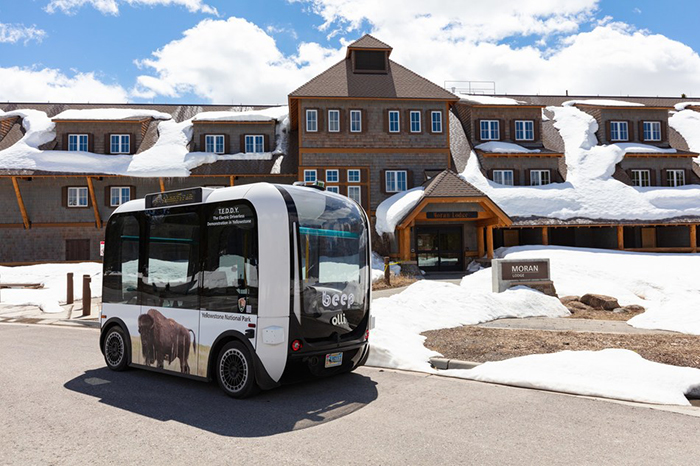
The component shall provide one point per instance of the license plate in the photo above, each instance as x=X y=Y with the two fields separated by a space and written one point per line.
x=334 y=359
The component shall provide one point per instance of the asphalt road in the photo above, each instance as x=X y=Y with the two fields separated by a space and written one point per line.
x=60 y=405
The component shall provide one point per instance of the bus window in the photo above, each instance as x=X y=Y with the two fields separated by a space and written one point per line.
x=121 y=261
x=172 y=262
x=230 y=276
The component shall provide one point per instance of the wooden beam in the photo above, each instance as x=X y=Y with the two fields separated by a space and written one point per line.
x=93 y=198
x=693 y=238
x=489 y=242
x=231 y=180
x=162 y=185
x=545 y=236
x=405 y=244
x=480 y=241
x=620 y=237
x=20 y=203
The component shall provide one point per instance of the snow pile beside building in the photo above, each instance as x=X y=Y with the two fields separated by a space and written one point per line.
x=505 y=148
x=610 y=373
x=392 y=210
x=428 y=305
x=109 y=114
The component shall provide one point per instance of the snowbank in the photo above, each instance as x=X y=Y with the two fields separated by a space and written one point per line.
x=108 y=114
x=504 y=148
x=392 y=210
x=53 y=276
x=488 y=100
x=602 y=103
x=430 y=305
x=610 y=373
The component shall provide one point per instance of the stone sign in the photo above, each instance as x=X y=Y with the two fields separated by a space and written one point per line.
x=531 y=272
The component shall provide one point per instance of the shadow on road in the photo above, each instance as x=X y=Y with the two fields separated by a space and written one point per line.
x=204 y=405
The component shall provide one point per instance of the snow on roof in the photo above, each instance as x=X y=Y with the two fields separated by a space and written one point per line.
x=683 y=105
x=602 y=103
x=639 y=148
x=488 y=100
x=268 y=114
x=109 y=114
x=500 y=147
x=392 y=210
x=687 y=123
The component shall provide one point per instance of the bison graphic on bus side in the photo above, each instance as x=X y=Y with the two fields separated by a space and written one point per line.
x=163 y=338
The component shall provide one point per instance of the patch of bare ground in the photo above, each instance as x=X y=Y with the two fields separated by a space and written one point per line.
x=470 y=343
x=397 y=281
x=601 y=315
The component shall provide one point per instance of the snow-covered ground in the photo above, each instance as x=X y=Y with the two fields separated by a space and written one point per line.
x=53 y=276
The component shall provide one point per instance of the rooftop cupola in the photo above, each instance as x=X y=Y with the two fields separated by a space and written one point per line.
x=369 y=55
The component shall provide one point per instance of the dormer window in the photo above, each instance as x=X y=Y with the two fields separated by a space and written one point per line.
x=369 y=61
x=619 y=131
x=524 y=130
x=652 y=131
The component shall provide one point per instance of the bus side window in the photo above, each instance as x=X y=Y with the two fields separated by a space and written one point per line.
x=230 y=275
x=121 y=261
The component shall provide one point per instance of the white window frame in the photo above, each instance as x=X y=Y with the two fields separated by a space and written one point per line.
x=336 y=178
x=524 y=130
x=120 y=143
x=353 y=121
x=334 y=124
x=398 y=121
x=499 y=176
x=353 y=171
x=433 y=121
x=333 y=189
x=311 y=123
x=310 y=176
x=78 y=190
x=78 y=143
x=487 y=134
x=214 y=138
x=618 y=125
x=392 y=183
x=675 y=177
x=411 y=114
x=539 y=180
x=357 y=196
x=120 y=191
x=256 y=138
x=641 y=177
x=654 y=129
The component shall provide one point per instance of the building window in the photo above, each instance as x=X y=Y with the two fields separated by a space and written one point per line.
x=395 y=181
x=332 y=176
x=333 y=121
x=539 y=177
x=309 y=176
x=311 y=121
x=214 y=143
x=118 y=195
x=652 y=130
x=524 y=130
x=78 y=142
x=119 y=144
x=355 y=121
x=254 y=143
x=675 y=177
x=641 y=178
x=353 y=176
x=354 y=193
x=77 y=197
x=394 y=121
x=489 y=130
x=618 y=131
x=504 y=177
x=415 y=121
x=332 y=189
x=436 y=121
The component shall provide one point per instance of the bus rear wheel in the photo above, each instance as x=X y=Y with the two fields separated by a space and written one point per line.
x=115 y=349
x=234 y=371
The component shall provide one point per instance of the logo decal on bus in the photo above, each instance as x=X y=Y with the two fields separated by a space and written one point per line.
x=336 y=299
x=339 y=319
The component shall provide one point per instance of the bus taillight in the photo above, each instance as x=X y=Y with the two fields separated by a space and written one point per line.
x=367 y=335
x=296 y=345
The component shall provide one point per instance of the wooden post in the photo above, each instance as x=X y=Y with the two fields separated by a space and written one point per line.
x=694 y=238
x=545 y=236
x=387 y=272
x=231 y=180
x=620 y=237
x=480 y=241
x=20 y=203
x=93 y=198
x=69 y=288
x=87 y=297
x=405 y=244
x=162 y=185
x=489 y=242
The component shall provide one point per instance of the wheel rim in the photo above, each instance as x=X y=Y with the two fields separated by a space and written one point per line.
x=233 y=370
x=114 y=349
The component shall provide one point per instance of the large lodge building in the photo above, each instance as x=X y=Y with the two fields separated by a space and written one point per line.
x=369 y=128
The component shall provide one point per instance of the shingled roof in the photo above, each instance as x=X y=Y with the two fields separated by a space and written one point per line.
x=369 y=42
x=449 y=184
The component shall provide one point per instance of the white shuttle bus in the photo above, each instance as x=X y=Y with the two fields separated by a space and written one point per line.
x=250 y=285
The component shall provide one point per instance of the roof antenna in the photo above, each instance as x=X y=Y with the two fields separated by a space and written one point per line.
x=567 y=93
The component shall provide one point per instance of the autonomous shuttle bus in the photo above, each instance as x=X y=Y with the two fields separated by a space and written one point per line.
x=250 y=285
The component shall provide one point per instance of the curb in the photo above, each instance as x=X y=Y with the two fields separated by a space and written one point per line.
x=45 y=321
x=446 y=364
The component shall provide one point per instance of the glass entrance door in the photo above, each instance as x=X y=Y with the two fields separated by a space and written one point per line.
x=439 y=248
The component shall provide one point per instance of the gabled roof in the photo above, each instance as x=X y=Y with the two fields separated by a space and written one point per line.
x=368 y=42
x=448 y=184
x=398 y=83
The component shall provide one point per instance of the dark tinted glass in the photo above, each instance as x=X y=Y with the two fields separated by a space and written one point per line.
x=121 y=260
x=370 y=61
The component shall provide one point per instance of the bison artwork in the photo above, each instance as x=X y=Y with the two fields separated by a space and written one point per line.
x=163 y=338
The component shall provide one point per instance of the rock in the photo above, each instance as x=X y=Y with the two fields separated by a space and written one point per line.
x=620 y=310
x=634 y=308
x=567 y=299
x=599 y=301
x=577 y=306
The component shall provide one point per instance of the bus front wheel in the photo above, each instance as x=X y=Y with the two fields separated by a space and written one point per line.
x=115 y=350
x=234 y=371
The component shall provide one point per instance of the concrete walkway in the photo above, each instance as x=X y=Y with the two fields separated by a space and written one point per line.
x=72 y=314
x=566 y=324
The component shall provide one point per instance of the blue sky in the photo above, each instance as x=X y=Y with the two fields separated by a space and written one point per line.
x=106 y=46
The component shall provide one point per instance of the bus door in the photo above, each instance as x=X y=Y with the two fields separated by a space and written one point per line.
x=230 y=275
x=168 y=325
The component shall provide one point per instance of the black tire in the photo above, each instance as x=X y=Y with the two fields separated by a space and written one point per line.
x=115 y=349
x=235 y=371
